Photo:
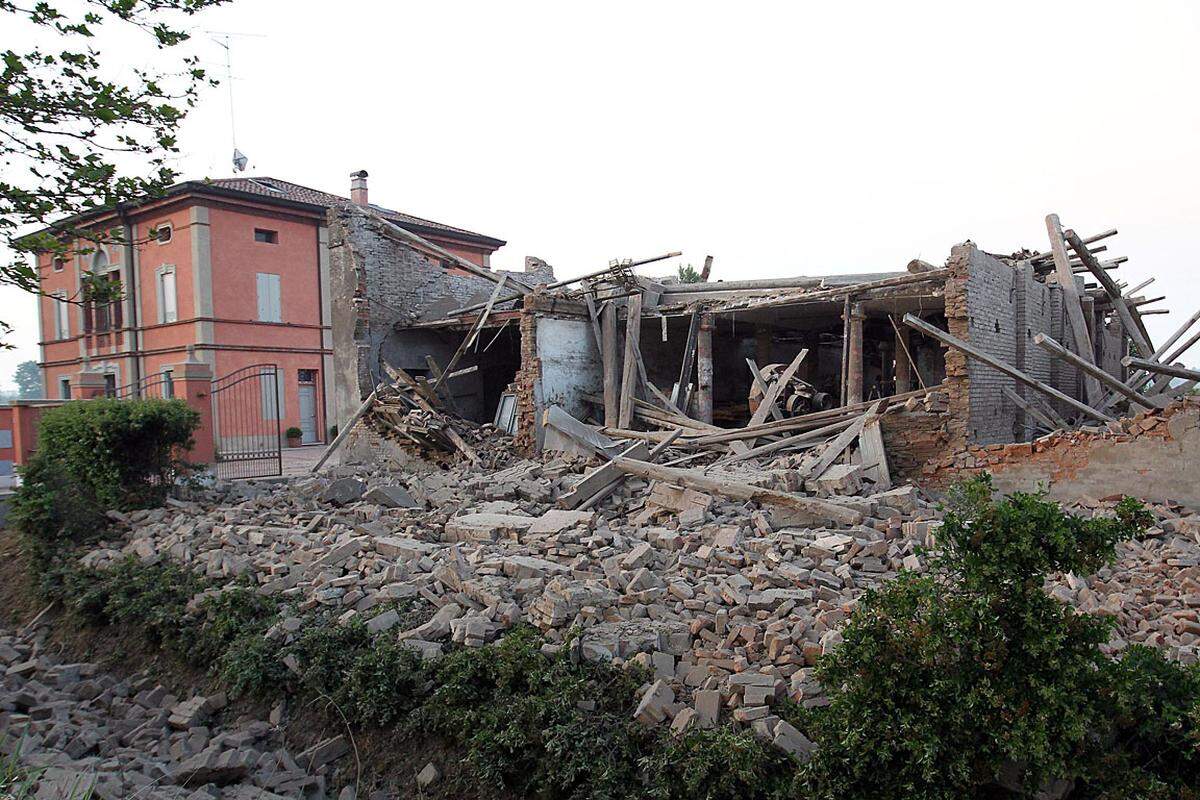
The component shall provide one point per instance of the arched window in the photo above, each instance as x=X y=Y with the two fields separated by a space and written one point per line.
x=99 y=260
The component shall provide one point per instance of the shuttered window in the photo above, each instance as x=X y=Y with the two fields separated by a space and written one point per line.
x=268 y=298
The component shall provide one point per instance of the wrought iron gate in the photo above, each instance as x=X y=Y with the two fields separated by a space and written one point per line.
x=246 y=422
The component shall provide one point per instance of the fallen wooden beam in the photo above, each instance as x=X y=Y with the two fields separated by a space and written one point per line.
x=694 y=479
x=1174 y=370
x=1071 y=302
x=688 y=367
x=470 y=338
x=345 y=431
x=1133 y=323
x=773 y=391
x=874 y=455
x=1014 y=373
x=629 y=375
x=756 y=378
x=618 y=477
x=1031 y=409
x=838 y=444
x=1058 y=351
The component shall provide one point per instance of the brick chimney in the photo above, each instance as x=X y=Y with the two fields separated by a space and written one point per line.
x=358 y=187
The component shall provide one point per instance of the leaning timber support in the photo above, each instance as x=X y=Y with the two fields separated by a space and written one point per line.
x=1058 y=351
x=704 y=369
x=1014 y=373
x=1173 y=370
x=1072 y=304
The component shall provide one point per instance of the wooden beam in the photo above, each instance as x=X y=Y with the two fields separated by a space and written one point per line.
x=473 y=334
x=818 y=509
x=345 y=430
x=1030 y=409
x=458 y=261
x=1133 y=323
x=840 y=443
x=1079 y=328
x=704 y=369
x=1174 y=370
x=440 y=377
x=687 y=367
x=1058 y=351
x=398 y=377
x=1014 y=373
x=609 y=363
x=874 y=455
x=595 y=319
x=774 y=390
x=756 y=379
x=805 y=439
x=618 y=477
x=629 y=376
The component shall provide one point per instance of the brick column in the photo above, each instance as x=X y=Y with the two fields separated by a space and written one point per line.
x=87 y=385
x=193 y=384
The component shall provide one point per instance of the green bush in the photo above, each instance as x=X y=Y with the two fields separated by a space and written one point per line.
x=951 y=684
x=94 y=456
x=720 y=764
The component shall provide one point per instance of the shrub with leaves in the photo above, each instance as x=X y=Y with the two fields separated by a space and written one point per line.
x=972 y=677
x=94 y=456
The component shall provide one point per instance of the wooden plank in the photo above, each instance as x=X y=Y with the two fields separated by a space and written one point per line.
x=595 y=318
x=806 y=439
x=687 y=368
x=694 y=479
x=838 y=444
x=1000 y=366
x=393 y=230
x=446 y=394
x=600 y=477
x=773 y=391
x=619 y=477
x=1079 y=328
x=756 y=377
x=704 y=369
x=474 y=333
x=401 y=377
x=1174 y=370
x=629 y=377
x=608 y=357
x=1058 y=351
x=1133 y=323
x=1030 y=409
x=874 y=455
x=345 y=431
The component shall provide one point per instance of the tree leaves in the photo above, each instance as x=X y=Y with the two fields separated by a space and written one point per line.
x=63 y=128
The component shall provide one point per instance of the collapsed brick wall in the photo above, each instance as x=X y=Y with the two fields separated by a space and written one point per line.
x=992 y=327
x=913 y=439
x=378 y=281
x=526 y=382
x=1152 y=456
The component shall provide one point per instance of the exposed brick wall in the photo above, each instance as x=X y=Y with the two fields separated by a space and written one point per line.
x=957 y=382
x=379 y=281
x=1150 y=456
x=913 y=439
x=527 y=380
x=992 y=323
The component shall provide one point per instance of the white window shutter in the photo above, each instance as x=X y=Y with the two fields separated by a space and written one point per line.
x=170 y=308
x=276 y=307
x=264 y=297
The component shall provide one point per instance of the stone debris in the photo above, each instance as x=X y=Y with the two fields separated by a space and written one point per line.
x=117 y=739
x=725 y=605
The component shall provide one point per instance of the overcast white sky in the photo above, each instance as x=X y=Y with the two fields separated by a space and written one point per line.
x=783 y=138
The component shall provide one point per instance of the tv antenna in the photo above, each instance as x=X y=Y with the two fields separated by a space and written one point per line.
x=239 y=158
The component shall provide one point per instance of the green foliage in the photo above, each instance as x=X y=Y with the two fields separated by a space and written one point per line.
x=251 y=667
x=28 y=378
x=688 y=274
x=124 y=453
x=293 y=433
x=67 y=123
x=517 y=713
x=383 y=684
x=18 y=782
x=720 y=764
x=946 y=682
x=94 y=456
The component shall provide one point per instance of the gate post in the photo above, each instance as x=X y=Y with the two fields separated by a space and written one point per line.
x=193 y=384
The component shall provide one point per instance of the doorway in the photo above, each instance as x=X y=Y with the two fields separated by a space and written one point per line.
x=308 y=406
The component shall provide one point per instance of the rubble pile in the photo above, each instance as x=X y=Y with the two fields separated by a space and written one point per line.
x=89 y=734
x=726 y=603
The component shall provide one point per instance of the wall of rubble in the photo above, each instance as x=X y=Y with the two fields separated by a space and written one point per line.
x=1151 y=456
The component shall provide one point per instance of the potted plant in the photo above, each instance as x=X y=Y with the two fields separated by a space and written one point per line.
x=294 y=435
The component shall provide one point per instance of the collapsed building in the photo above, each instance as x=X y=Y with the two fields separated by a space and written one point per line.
x=983 y=351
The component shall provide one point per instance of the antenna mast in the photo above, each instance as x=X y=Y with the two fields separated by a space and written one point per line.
x=239 y=158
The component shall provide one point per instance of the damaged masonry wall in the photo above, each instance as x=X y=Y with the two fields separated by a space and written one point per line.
x=378 y=281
